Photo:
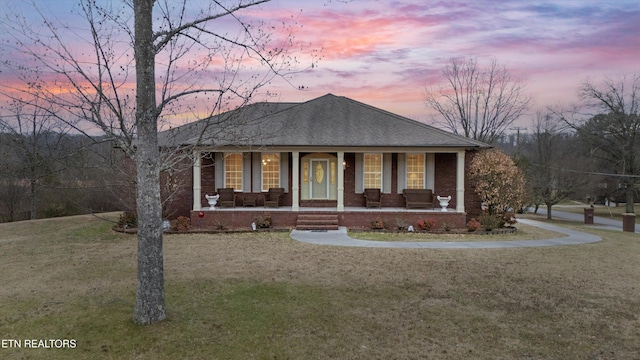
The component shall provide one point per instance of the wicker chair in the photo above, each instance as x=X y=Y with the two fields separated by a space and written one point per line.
x=227 y=197
x=373 y=198
x=274 y=197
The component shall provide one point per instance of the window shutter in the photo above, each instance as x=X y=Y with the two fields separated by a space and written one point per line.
x=246 y=172
x=219 y=170
x=359 y=170
x=402 y=172
x=256 y=163
x=386 y=172
x=284 y=171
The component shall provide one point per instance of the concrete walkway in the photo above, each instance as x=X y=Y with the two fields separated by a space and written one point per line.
x=341 y=238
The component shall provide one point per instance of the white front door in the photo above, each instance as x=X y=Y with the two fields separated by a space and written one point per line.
x=319 y=184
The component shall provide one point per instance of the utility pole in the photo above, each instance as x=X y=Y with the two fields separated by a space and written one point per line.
x=518 y=128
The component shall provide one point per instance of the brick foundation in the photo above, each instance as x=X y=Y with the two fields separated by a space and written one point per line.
x=242 y=219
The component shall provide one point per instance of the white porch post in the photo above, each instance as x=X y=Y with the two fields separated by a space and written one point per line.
x=295 y=179
x=460 y=182
x=340 y=180
x=197 y=181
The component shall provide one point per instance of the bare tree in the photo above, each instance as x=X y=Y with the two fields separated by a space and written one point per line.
x=478 y=102
x=37 y=140
x=611 y=131
x=186 y=63
x=546 y=157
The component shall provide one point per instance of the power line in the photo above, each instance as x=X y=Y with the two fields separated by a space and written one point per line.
x=589 y=172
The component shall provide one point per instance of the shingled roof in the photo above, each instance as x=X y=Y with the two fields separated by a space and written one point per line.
x=329 y=120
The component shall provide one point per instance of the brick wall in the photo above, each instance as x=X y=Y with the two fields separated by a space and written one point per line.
x=241 y=220
x=445 y=177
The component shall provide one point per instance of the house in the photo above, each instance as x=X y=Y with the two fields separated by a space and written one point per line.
x=324 y=153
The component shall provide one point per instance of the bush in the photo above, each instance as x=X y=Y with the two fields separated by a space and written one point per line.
x=426 y=224
x=263 y=221
x=182 y=223
x=377 y=224
x=498 y=181
x=128 y=219
x=401 y=224
x=490 y=222
x=509 y=218
x=473 y=225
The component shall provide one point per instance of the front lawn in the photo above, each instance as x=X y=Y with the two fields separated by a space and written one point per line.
x=265 y=296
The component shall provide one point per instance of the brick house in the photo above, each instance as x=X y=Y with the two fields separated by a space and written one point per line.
x=323 y=153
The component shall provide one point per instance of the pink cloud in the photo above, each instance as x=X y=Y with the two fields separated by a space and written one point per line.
x=386 y=53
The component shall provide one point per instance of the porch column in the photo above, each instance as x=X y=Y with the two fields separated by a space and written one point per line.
x=295 y=179
x=197 y=181
x=340 y=180
x=460 y=182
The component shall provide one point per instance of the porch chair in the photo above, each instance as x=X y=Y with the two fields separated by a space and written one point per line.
x=373 y=198
x=227 y=197
x=274 y=197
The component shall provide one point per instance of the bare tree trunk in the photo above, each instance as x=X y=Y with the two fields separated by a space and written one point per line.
x=150 y=305
x=33 y=209
x=549 y=205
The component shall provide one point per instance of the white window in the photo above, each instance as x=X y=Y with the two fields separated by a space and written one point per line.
x=373 y=171
x=270 y=171
x=233 y=171
x=415 y=171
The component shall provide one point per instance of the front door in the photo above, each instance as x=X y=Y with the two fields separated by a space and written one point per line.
x=319 y=185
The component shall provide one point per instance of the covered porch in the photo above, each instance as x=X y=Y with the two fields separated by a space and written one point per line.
x=326 y=182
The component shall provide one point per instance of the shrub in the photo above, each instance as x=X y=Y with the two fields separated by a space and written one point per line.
x=128 y=219
x=182 y=223
x=263 y=221
x=401 y=224
x=446 y=226
x=509 y=218
x=221 y=224
x=378 y=224
x=426 y=224
x=498 y=181
x=490 y=222
x=473 y=225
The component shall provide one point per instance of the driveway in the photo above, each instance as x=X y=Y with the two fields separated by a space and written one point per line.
x=598 y=221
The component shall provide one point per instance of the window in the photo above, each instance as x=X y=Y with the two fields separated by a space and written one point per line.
x=270 y=171
x=373 y=171
x=233 y=171
x=415 y=171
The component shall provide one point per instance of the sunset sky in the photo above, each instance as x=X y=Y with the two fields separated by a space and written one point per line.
x=386 y=53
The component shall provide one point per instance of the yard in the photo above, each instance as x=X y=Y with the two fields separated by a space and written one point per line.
x=265 y=296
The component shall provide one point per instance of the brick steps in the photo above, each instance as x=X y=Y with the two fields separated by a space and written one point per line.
x=317 y=222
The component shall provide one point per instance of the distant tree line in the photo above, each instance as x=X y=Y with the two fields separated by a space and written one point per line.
x=56 y=174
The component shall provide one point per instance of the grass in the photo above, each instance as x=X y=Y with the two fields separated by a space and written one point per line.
x=524 y=232
x=264 y=296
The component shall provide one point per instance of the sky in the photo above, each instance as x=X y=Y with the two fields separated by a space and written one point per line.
x=388 y=53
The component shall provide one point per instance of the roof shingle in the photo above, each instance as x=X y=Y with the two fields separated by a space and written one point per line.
x=325 y=121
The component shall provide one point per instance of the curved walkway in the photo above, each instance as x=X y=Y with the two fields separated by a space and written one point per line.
x=341 y=238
